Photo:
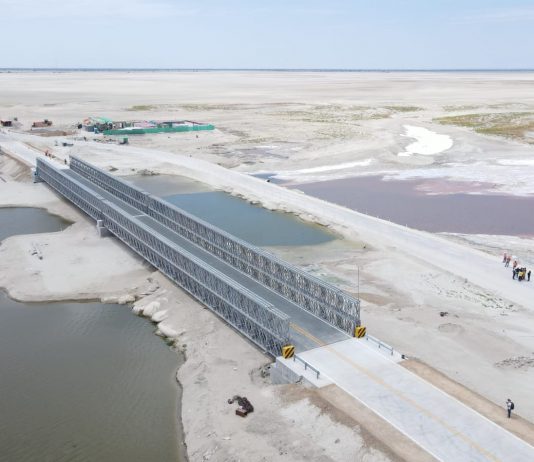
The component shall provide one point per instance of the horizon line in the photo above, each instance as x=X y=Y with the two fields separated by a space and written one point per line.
x=259 y=69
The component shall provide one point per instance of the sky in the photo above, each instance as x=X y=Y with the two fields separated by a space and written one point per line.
x=294 y=34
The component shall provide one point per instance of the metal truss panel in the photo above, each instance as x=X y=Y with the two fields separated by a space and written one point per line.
x=320 y=298
x=254 y=317
x=118 y=187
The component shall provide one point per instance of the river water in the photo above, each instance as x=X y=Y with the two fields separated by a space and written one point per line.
x=247 y=221
x=82 y=382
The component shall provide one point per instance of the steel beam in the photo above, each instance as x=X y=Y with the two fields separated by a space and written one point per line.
x=310 y=293
x=251 y=315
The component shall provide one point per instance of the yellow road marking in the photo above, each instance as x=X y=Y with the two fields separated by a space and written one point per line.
x=410 y=401
x=306 y=334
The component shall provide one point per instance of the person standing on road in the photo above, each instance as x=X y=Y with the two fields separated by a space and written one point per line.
x=528 y=276
x=504 y=257
x=509 y=407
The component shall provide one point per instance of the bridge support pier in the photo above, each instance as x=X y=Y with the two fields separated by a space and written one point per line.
x=101 y=229
x=35 y=176
x=284 y=371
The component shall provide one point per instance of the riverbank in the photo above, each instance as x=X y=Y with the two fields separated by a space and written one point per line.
x=74 y=264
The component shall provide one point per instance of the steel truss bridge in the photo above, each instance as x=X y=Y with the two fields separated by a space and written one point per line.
x=269 y=301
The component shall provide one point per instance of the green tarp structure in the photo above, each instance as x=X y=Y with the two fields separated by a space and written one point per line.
x=167 y=129
x=101 y=120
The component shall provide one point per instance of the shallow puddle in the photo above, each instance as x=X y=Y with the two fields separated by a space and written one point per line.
x=28 y=220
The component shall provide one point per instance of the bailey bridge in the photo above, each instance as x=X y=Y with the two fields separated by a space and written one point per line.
x=266 y=299
x=275 y=304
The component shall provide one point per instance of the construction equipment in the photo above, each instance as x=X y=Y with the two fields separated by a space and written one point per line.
x=245 y=407
x=42 y=124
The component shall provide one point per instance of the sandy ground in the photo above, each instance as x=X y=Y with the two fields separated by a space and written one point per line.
x=289 y=423
x=292 y=121
x=28 y=278
x=309 y=127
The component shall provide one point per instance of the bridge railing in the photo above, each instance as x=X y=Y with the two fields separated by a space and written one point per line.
x=380 y=344
x=77 y=193
x=307 y=365
x=254 y=317
x=118 y=187
x=251 y=315
x=312 y=294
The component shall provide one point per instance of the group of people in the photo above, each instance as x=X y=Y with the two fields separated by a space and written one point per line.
x=519 y=273
x=47 y=153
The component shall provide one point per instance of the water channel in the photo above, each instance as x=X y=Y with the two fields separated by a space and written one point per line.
x=247 y=221
x=82 y=381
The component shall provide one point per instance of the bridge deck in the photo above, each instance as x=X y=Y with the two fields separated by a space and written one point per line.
x=437 y=422
x=307 y=331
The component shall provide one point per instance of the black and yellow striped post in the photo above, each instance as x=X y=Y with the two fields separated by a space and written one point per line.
x=360 y=331
x=288 y=351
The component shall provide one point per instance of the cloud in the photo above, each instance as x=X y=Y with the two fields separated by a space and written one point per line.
x=90 y=9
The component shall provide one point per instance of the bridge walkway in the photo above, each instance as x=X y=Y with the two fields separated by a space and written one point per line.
x=307 y=331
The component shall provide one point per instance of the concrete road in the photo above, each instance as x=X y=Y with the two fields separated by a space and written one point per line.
x=437 y=422
x=20 y=150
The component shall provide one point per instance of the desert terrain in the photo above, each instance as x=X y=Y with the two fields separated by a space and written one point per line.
x=472 y=128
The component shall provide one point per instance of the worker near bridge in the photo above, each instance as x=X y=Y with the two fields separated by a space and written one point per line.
x=509 y=407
